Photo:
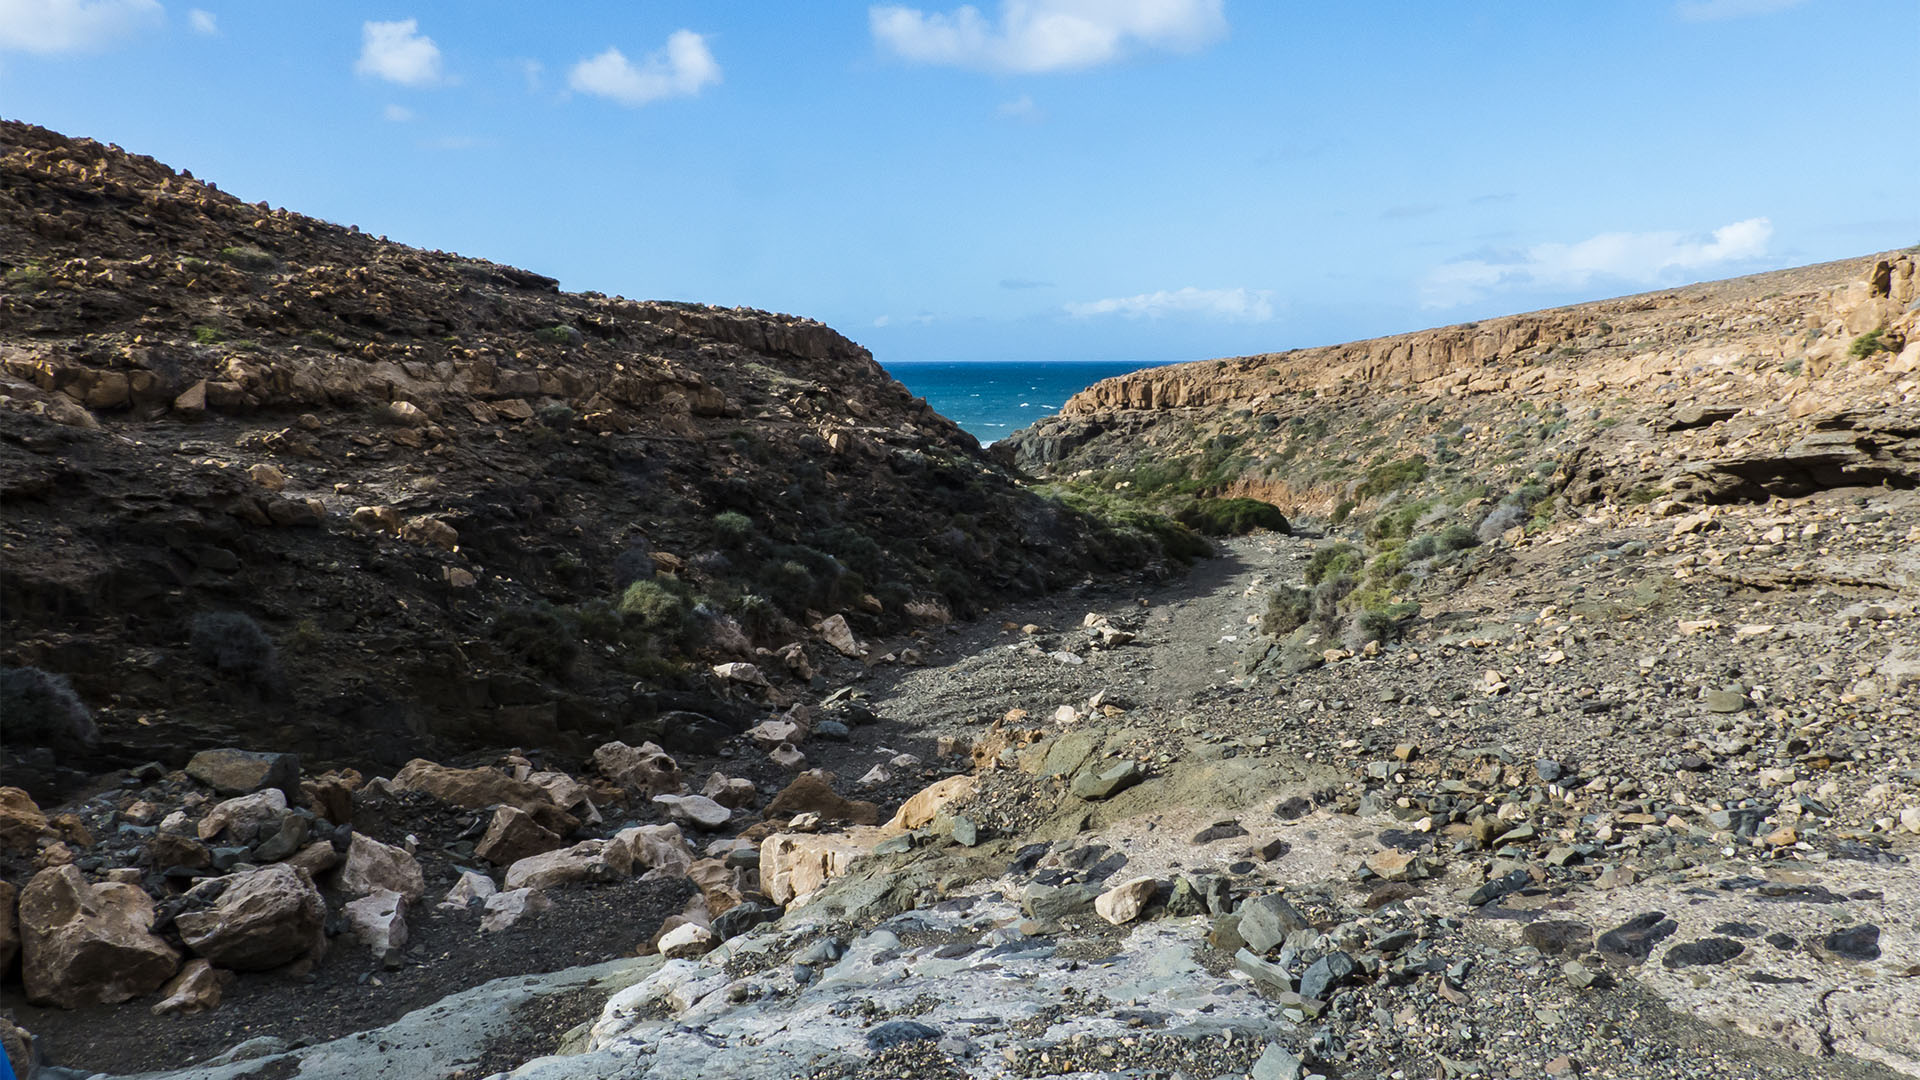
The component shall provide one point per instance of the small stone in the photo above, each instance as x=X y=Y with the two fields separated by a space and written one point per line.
x=1577 y=975
x=242 y=772
x=1725 y=701
x=1325 y=974
x=1123 y=903
x=1219 y=830
x=687 y=941
x=1558 y=937
x=898 y=1033
x=1108 y=782
x=1705 y=952
x=1634 y=939
x=503 y=909
x=696 y=810
x=1858 y=943
x=965 y=832
x=378 y=920
x=1267 y=920
x=1276 y=1062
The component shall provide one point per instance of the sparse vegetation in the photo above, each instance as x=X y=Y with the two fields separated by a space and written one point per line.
x=560 y=334
x=1867 y=344
x=28 y=279
x=247 y=257
x=1231 y=517
x=235 y=646
x=41 y=709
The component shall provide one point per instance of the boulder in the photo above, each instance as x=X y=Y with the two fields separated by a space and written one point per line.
x=473 y=885
x=810 y=793
x=642 y=770
x=264 y=918
x=316 y=858
x=835 y=632
x=588 y=860
x=477 y=789
x=243 y=772
x=506 y=908
x=562 y=790
x=378 y=920
x=686 y=941
x=512 y=835
x=794 y=865
x=930 y=802
x=247 y=819
x=196 y=989
x=1266 y=921
x=656 y=847
x=730 y=792
x=372 y=865
x=21 y=822
x=9 y=925
x=696 y=810
x=769 y=734
x=1123 y=903
x=788 y=757
x=87 y=944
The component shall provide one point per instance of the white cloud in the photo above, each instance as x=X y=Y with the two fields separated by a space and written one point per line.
x=883 y=320
x=1231 y=305
x=1645 y=258
x=398 y=114
x=203 y=23
x=1046 y=35
x=1711 y=10
x=398 y=53
x=71 y=26
x=532 y=71
x=1021 y=108
x=681 y=69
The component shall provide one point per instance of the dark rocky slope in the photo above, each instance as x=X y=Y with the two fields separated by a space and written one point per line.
x=424 y=485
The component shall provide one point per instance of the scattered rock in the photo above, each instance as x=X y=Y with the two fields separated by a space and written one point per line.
x=196 y=989
x=371 y=865
x=87 y=944
x=1124 y=902
x=263 y=919
x=242 y=772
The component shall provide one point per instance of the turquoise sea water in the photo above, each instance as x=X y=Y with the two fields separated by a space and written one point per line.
x=992 y=400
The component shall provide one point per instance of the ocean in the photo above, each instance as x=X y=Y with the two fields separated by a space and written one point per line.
x=993 y=399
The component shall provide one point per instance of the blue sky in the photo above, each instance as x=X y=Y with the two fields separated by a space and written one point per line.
x=1034 y=179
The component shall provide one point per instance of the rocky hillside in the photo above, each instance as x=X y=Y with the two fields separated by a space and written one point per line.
x=273 y=481
x=1777 y=384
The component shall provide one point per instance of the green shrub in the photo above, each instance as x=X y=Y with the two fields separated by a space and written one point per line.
x=232 y=643
x=1393 y=475
x=1288 y=609
x=653 y=607
x=247 y=257
x=28 y=279
x=1867 y=344
x=1424 y=546
x=1457 y=537
x=41 y=709
x=538 y=636
x=733 y=528
x=759 y=617
x=1231 y=517
x=1332 y=560
x=208 y=335
x=561 y=334
x=1343 y=511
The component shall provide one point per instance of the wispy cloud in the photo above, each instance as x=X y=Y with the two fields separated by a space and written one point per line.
x=51 y=27
x=397 y=114
x=534 y=72
x=1020 y=283
x=681 y=69
x=1643 y=258
x=203 y=23
x=1020 y=108
x=1046 y=35
x=1229 y=305
x=1711 y=10
x=398 y=53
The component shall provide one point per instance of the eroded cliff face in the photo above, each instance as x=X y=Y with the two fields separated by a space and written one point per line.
x=1778 y=383
x=430 y=482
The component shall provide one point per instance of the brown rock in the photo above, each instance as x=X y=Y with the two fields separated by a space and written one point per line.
x=17 y=1043
x=195 y=990
x=246 y=819
x=87 y=944
x=167 y=849
x=330 y=797
x=21 y=822
x=513 y=835
x=427 y=529
x=919 y=811
x=644 y=770
x=656 y=847
x=588 y=860
x=316 y=858
x=241 y=772
x=9 y=925
x=264 y=919
x=809 y=793
x=731 y=792
x=477 y=789
x=797 y=864
x=372 y=865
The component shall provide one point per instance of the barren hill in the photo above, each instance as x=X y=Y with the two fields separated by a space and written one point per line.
x=416 y=490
